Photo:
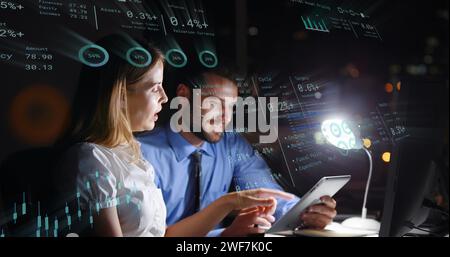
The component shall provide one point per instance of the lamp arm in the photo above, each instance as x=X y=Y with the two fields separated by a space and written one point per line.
x=364 y=209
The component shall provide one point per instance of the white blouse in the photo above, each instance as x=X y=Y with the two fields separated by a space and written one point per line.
x=109 y=178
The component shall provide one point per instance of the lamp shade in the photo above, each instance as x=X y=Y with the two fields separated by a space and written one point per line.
x=341 y=134
x=344 y=135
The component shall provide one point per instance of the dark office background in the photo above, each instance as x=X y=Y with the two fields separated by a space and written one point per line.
x=267 y=37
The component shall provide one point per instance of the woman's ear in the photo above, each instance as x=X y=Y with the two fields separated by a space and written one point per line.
x=183 y=91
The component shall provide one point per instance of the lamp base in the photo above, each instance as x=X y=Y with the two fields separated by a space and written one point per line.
x=362 y=224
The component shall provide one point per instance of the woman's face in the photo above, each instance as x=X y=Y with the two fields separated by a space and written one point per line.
x=145 y=99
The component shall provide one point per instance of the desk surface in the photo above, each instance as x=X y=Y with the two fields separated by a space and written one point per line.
x=333 y=230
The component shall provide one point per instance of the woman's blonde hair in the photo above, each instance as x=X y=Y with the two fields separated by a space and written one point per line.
x=100 y=114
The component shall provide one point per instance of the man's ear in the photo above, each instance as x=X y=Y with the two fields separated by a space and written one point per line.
x=183 y=91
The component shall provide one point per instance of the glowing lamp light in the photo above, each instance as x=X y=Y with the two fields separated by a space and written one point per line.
x=344 y=135
x=340 y=134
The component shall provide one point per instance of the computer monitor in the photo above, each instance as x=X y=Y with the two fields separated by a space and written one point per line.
x=411 y=179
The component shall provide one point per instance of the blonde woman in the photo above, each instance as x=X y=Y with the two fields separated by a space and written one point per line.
x=105 y=161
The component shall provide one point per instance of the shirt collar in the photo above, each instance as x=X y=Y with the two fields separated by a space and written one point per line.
x=182 y=148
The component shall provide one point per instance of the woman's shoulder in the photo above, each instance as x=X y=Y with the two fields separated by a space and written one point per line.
x=157 y=137
x=86 y=153
x=86 y=147
x=79 y=160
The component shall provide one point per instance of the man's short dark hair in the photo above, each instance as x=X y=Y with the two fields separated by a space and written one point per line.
x=194 y=77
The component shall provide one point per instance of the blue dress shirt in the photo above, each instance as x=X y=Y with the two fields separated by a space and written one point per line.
x=231 y=161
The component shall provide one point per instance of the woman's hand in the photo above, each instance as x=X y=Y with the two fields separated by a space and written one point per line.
x=256 y=197
x=203 y=221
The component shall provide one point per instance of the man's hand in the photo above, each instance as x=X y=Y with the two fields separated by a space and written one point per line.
x=256 y=209
x=244 y=223
x=320 y=215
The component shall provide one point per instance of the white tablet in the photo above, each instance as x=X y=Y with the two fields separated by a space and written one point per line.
x=326 y=186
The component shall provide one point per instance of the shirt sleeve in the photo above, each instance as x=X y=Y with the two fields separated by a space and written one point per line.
x=215 y=232
x=251 y=172
x=96 y=183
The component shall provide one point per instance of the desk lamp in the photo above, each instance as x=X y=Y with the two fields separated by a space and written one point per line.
x=343 y=135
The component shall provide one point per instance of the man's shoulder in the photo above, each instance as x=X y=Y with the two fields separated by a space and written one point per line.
x=234 y=139
x=156 y=137
x=236 y=143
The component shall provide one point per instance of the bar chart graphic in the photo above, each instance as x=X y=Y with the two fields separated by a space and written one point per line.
x=315 y=24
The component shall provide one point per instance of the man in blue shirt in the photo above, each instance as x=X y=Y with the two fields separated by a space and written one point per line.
x=226 y=159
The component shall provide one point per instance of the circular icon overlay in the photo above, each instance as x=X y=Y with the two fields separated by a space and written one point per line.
x=208 y=59
x=139 y=57
x=335 y=129
x=93 y=56
x=176 y=58
x=38 y=114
